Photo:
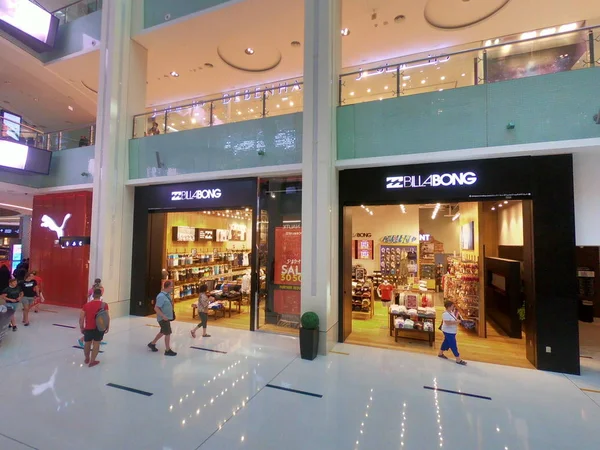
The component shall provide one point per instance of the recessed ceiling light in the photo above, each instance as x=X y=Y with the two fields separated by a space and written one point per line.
x=406 y=77
x=291 y=103
x=295 y=44
x=174 y=74
x=423 y=81
x=70 y=108
x=442 y=78
x=208 y=65
x=36 y=99
x=399 y=18
x=403 y=84
x=463 y=74
x=193 y=120
x=369 y=90
x=239 y=113
x=506 y=202
x=386 y=87
x=345 y=31
x=352 y=93
x=249 y=51
x=493 y=209
x=277 y=106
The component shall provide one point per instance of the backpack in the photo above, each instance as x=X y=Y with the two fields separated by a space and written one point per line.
x=102 y=319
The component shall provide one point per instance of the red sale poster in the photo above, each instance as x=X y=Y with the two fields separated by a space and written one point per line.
x=288 y=270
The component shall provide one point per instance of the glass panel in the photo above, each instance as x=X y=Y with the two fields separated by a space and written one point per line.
x=76 y=10
x=279 y=243
x=596 y=45
x=369 y=85
x=287 y=100
x=246 y=105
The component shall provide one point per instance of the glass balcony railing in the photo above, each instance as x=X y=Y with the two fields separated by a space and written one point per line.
x=467 y=65
x=501 y=59
x=248 y=104
x=76 y=10
x=55 y=141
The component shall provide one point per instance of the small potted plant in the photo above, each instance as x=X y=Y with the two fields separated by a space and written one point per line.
x=309 y=336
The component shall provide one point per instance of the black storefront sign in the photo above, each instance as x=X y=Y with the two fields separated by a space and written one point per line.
x=9 y=231
x=477 y=180
x=203 y=234
x=552 y=313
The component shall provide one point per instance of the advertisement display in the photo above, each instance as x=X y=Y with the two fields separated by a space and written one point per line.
x=288 y=270
x=29 y=19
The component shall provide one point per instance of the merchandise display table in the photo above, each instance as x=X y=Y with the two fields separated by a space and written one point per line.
x=412 y=333
x=226 y=310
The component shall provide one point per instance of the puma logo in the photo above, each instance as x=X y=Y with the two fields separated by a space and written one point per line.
x=48 y=222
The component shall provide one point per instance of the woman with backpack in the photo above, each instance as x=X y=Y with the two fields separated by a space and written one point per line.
x=94 y=322
x=97 y=285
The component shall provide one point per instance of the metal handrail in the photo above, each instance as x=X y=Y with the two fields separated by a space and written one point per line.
x=22 y=125
x=71 y=4
x=210 y=100
x=475 y=49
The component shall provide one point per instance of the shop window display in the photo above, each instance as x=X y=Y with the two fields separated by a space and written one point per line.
x=424 y=255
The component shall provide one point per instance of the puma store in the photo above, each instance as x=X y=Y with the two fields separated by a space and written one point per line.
x=241 y=238
x=496 y=237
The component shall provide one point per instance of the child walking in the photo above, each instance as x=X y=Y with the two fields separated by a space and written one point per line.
x=203 y=302
x=450 y=329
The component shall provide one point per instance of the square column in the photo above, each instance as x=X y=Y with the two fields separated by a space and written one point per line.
x=122 y=92
x=322 y=40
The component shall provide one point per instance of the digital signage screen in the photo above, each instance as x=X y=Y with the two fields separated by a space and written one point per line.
x=29 y=23
x=21 y=157
x=11 y=125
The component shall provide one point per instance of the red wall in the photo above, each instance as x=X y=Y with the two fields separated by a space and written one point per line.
x=64 y=270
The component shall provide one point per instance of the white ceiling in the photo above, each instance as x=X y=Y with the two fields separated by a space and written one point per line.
x=42 y=97
x=268 y=26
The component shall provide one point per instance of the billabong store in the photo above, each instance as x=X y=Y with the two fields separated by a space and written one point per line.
x=496 y=237
x=241 y=238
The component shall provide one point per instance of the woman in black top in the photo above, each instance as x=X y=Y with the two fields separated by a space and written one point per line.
x=12 y=296
x=4 y=277
x=30 y=291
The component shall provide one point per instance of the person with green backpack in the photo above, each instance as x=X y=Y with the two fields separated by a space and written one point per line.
x=94 y=322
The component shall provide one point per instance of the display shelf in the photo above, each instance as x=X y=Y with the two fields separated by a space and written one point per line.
x=412 y=333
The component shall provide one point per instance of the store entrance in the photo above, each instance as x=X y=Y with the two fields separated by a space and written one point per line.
x=208 y=247
x=401 y=263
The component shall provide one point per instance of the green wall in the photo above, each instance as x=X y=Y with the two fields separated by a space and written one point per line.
x=221 y=147
x=156 y=10
x=545 y=108
x=76 y=36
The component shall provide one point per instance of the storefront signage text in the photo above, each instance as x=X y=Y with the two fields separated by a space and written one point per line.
x=399 y=239
x=257 y=93
x=203 y=234
x=433 y=180
x=200 y=194
x=362 y=235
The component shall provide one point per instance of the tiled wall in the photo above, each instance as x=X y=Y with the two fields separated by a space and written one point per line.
x=222 y=147
x=545 y=108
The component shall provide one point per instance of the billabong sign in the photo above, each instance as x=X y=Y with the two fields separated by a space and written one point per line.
x=362 y=235
x=433 y=180
x=200 y=194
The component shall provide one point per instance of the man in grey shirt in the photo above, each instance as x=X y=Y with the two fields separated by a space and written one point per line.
x=164 y=315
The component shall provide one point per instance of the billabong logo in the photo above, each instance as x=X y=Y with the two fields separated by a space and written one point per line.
x=200 y=194
x=48 y=222
x=433 y=180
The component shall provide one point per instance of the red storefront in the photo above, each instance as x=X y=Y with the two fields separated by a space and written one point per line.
x=65 y=270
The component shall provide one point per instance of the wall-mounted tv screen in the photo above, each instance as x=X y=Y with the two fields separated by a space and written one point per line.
x=467 y=236
x=23 y=158
x=29 y=23
x=11 y=125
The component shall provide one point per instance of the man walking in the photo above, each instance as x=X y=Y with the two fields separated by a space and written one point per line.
x=88 y=323
x=164 y=315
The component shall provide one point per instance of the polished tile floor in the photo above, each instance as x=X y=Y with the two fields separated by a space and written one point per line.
x=360 y=397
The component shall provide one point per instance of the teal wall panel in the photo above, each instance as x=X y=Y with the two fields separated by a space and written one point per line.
x=66 y=169
x=156 y=10
x=545 y=108
x=76 y=36
x=223 y=147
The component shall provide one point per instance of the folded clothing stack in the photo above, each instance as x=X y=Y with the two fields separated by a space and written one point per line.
x=408 y=324
x=399 y=322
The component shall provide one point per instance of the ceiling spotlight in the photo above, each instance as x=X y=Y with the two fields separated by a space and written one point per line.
x=442 y=78
x=352 y=93
x=399 y=18
x=493 y=209
x=500 y=205
x=277 y=106
x=423 y=81
x=386 y=87
x=345 y=31
x=295 y=44
x=249 y=51
x=406 y=77
x=291 y=103
x=369 y=90
x=462 y=74
x=70 y=108
x=506 y=202
x=208 y=65
x=174 y=74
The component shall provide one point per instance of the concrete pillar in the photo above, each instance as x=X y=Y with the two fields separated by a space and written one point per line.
x=25 y=234
x=123 y=65
x=319 y=179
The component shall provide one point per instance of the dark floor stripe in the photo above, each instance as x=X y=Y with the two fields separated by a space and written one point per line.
x=310 y=394
x=208 y=350
x=586 y=357
x=339 y=353
x=81 y=348
x=17 y=441
x=483 y=397
x=63 y=326
x=128 y=389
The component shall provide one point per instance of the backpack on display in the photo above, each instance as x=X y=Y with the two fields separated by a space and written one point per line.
x=102 y=318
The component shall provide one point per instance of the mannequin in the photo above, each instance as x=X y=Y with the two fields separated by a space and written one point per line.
x=385 y=291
